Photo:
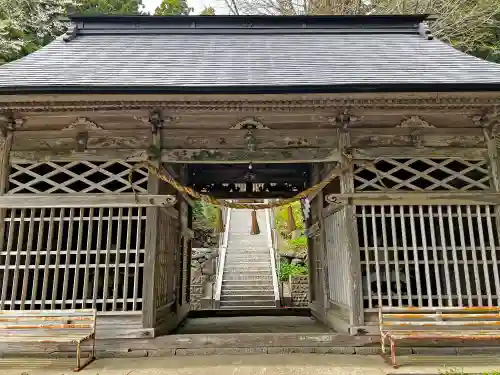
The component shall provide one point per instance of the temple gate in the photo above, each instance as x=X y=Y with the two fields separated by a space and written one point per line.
x=409 y=216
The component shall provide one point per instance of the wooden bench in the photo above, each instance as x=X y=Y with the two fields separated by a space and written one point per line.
x=437 y=323
x=50 y=326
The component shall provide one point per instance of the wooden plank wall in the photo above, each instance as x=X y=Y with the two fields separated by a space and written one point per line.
x=337 y=252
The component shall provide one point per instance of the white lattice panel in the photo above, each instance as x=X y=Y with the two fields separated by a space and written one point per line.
x=422 y=175
x=429 y=255
x=73 y=258
x=75 y=177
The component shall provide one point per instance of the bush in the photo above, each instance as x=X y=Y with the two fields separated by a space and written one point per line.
x=204 y=214
x=298 y=245
x=287 y=270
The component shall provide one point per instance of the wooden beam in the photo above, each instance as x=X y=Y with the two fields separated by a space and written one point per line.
x=238 y=156
x=417 y=198
x=234 y=139
x=85 y=200
x=72 y=155
x=65 y=139
x=426 y=137
x=415 y=152
x=255 y=195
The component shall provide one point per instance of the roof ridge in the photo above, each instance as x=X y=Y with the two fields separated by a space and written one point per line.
x=111 y=23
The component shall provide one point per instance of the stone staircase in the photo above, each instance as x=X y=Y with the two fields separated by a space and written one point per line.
x=247 y=280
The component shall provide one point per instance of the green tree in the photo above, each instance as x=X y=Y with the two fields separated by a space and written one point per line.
x=26 y=25
x=208 y=11
x=469 y=25
x=110 y=7
x=173 y=7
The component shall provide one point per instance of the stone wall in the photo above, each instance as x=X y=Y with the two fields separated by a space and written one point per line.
x=299 y=290
x=203 y=274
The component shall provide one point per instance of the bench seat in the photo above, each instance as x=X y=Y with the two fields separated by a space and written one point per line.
x=50 y=326
x=437 y=323
x=399 y=335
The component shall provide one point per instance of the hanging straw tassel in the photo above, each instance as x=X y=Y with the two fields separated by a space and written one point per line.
x=255 y=225
x=291 y=227
x=219 y=224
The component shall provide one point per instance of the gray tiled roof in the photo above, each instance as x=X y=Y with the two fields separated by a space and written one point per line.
x=110 y=55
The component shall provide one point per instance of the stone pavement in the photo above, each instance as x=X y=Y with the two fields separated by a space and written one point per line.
x=286 y=364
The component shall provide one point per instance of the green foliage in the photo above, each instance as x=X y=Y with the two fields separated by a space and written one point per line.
x=281 y=218
x=298 y=245
x=173 y=7
x=26 y=25
x=110 y=7
x=205 y=214
x=208 y=11
x=287 y=270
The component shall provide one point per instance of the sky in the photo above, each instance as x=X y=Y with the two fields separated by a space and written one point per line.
x=198 y=5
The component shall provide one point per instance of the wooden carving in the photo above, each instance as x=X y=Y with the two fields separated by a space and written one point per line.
x=414 y=122
x=488 y=119
x=118 y=142
x=83 y=124
x=343 y=119
x=249 y=123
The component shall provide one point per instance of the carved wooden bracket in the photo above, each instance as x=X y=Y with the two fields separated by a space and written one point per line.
x=488 y=120
x=81 y=141
x=249 y=123
x=313 y=230
x=251 y=141
x=414 y=123
x=156 y=119
x=343 y=119
x=82 y=124
x=332 y=199
x=8 y=123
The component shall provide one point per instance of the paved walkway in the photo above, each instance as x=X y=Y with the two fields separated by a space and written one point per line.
x=289 y=364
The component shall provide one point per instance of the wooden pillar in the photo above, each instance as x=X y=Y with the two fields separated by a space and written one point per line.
x=320 y=199
x=316 y=281
x=152 y=221
x=5 y=145
x=184 y=251
x=356 y=315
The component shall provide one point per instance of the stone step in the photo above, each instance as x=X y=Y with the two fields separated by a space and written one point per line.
x=246 y=297
x=240 y=250
x=244 y=304
x=247 y=292
x=246 y=283
x=235 y=263
x=248 y=271
x=248 y=257
x=245 y=278
x=243 y=245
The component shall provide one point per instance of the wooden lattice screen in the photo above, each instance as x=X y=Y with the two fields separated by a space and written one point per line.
x=440 y=255
x=422 y=174
x=427 y=255
x=75 y=177
x=55 y=258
